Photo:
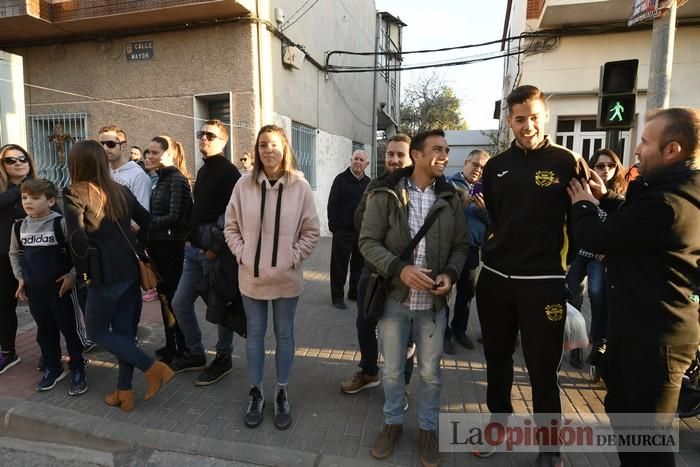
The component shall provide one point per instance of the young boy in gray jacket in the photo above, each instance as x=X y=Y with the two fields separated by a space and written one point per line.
x=46 y=277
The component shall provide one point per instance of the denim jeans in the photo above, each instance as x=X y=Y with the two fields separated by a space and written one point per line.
x=110 y=323
x=283 y=310
x=196 y=265
x=595 y=270
x=393 y=329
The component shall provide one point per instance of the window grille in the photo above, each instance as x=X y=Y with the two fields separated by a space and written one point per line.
x=304 y=146
x=52 y=137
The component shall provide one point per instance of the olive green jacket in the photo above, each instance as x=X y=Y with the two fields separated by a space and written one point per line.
x=385 y=233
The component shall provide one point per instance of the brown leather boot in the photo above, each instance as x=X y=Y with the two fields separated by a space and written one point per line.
x=112 y=399
x=385 y=443
x=122 y=399
x=158 y=374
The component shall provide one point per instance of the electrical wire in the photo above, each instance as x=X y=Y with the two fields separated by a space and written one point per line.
x=297 y=11
x=289 y=25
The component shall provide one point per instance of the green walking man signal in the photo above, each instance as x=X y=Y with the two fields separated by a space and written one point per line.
x=617 y=94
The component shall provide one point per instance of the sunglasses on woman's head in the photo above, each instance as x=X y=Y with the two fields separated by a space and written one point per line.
x=9 y=160
x=208 y=134
x=111 y=144
x=603 y=165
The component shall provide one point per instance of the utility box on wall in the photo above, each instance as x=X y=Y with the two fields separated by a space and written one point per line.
x=13 y=128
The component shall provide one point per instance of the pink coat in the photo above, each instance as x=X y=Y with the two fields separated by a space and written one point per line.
x=299 y=230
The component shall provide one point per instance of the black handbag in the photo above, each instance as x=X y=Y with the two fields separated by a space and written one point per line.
x=378 y=285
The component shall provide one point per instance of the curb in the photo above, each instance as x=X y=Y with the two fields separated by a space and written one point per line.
x=42 y=422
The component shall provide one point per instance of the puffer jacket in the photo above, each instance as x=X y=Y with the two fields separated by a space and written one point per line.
x=385 y=233
x=171 y=206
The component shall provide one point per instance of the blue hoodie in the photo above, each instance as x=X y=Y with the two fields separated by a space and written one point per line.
x=477 y=220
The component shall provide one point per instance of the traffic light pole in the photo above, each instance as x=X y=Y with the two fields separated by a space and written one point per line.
x=612 y=141
x=661 y=62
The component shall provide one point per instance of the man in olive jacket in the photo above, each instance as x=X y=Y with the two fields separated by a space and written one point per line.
x=419 y=287
x=652 y=249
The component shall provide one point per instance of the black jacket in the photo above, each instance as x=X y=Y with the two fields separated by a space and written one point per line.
x=526 y=199
x=212 y=192
x=346 y=193
x=98 y=247
x=652 y=248
x=171 y=206
x=11 y=211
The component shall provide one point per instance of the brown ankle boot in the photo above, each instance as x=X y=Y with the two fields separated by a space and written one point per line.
x=158 y=374
x=126 y=400
x=112 y=399
x=122 y=399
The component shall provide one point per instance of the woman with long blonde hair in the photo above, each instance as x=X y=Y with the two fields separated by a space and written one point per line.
x=98 y=213
x=16 y=165
x=270 y=245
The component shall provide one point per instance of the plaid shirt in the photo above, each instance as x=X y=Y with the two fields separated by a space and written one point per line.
x=419 y=204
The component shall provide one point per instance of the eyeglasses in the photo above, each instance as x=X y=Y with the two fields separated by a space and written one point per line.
x=112 y=144
x=603 y=165
x=244 y=159
x=9 y=160
x=208 y=134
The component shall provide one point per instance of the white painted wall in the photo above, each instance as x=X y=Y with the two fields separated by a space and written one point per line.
x=12 y=115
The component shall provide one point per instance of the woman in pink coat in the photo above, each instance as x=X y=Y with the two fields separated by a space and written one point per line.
x=271 y=227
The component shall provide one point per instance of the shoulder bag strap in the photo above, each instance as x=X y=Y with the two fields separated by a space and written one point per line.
x=421 y=233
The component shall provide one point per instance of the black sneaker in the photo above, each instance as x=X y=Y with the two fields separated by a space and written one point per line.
x=464 y=340
x=340 y=304
x=448 y=346
x=597 y=352
x=190 y=362
x=576 y=358
x=7 y=361
x=282 y=417
x=256 y=404
x=220 y=367
x=50 y=378
x=78 y=382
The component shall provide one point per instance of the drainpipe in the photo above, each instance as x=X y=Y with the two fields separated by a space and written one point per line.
x=374 y=168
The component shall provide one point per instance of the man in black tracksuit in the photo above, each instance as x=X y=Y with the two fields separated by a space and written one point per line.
x=652 y=249
x=346 y=193
x=522 y=283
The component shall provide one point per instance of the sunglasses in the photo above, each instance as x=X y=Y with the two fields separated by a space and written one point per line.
x=244 y=159
x=9 y=160
x=208 y=134
x=603 y=165
x=112 y=144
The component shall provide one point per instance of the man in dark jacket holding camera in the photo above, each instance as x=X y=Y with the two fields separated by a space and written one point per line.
x=652 y=248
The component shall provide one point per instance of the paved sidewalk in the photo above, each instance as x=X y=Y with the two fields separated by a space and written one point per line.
x=329 y=428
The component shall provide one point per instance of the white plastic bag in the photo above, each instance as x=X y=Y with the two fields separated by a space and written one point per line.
x=575 y=335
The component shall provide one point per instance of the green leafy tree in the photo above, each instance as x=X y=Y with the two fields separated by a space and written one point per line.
x=428 y=103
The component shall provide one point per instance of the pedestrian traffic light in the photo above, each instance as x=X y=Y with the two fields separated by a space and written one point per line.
x=618 y=94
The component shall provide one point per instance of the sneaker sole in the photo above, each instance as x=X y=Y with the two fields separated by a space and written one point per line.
x=371 y=385
x=11 y=365
x=60 y=378
x=207 y=383
x=77 y=393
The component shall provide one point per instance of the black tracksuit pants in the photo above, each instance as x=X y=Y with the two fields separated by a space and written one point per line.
x=644 y=378
x=8 y=306
x=54 y=316
x=538 y=308
x=344 y=250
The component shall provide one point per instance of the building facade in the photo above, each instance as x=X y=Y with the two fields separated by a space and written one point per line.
x=576 y=38
x=164 y=66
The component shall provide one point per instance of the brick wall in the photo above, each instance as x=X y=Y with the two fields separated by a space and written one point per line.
x=534 y=8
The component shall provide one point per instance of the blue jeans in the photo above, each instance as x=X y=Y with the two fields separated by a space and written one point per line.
x=283 y=310
x=393 y=330
x=194 y=269
x=595 y=270
x=110 y=323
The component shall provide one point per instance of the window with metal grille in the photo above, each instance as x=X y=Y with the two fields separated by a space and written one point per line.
x=51 y=138
x=304 y=145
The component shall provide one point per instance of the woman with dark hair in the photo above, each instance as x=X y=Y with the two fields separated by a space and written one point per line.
x=608 y=167
x=171 y=205
x=98 y=214
x=17 y=165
